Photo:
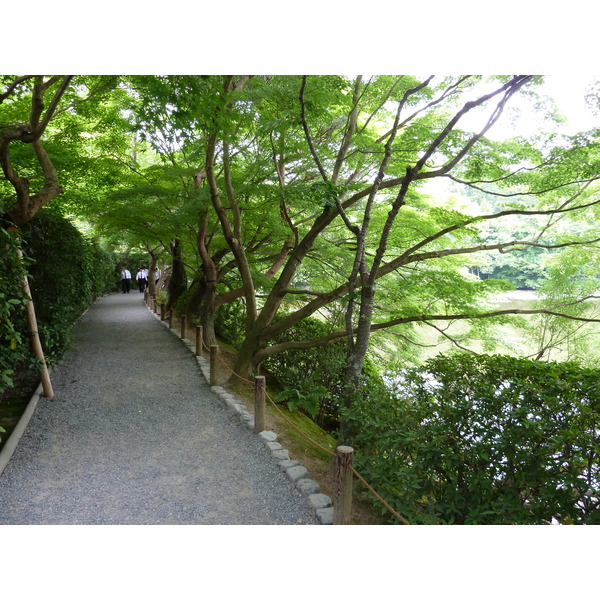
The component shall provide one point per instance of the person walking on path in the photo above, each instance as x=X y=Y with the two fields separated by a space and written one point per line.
x=135 y=435
x=141 y=280
x=125 y=280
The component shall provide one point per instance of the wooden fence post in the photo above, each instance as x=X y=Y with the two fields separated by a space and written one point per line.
x=154 y=305
x=342 y=503
x=199 y=340
x=171 y=319
x=259 y=403
x=162 y=312
x=183 y=323
x=213 y=364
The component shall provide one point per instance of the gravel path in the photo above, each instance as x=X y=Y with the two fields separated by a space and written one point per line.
x=134 y=435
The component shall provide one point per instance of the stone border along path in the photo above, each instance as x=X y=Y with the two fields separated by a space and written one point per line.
x=294 y=471
x=86 y=457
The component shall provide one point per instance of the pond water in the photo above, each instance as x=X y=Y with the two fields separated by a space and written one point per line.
x=512 y=338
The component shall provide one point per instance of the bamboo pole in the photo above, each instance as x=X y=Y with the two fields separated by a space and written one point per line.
x=35 y=338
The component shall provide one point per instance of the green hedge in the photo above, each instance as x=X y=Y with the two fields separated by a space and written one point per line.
x=14 y=341
x=67 y=272
x=485 y=440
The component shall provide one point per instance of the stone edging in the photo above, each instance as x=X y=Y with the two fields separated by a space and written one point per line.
x=294 y=471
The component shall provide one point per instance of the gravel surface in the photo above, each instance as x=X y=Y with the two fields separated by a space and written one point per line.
x=134 y=435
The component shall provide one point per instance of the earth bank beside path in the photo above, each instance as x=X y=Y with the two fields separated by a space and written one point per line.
x=134 y=435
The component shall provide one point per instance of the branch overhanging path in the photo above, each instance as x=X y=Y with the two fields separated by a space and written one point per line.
x=134 y=435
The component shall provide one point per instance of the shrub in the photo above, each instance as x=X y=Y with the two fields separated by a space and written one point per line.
x=230 y=321
x=67 y=273
x=485 y=440
x=14 y=340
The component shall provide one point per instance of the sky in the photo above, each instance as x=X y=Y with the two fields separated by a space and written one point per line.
x=568 y=91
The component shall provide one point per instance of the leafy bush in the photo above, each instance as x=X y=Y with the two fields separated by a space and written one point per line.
x=230 y=322
x=67 y=273
x=162 y=297
x=308 y=398
x=14 y=340
x=485 y=440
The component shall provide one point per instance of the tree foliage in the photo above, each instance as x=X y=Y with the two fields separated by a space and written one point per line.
x=311 y=196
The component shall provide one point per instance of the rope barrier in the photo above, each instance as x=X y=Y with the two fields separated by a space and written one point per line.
x=326 y=450
x=399 y=517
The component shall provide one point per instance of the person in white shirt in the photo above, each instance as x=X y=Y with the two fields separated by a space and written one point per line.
x=141 y=280
x=125 y=279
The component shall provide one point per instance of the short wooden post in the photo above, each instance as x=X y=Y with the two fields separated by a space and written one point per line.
x=171 y=319
x=162 y=312
x=259 y=403
x=146 y=296
x=342 y=503
x=155 y=305
x=183 y=323
x=199 y=340
x=214 y=350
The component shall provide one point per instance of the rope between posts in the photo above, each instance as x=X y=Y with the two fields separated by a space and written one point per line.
x=399 y=517
x=369 y=487
x=326 y=450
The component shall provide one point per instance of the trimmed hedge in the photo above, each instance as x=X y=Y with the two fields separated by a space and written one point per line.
x=67 y=272
x=485 y=440
x=14 y=341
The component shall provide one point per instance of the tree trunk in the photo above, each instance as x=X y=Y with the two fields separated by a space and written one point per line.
x=355 y=360
x=201 y=303
x=245 y=364
x=207 y=315
x=178 y=281
x=152 y=273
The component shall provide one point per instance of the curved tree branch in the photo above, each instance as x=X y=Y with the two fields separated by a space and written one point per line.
x=336 y=336
x=309 y=139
